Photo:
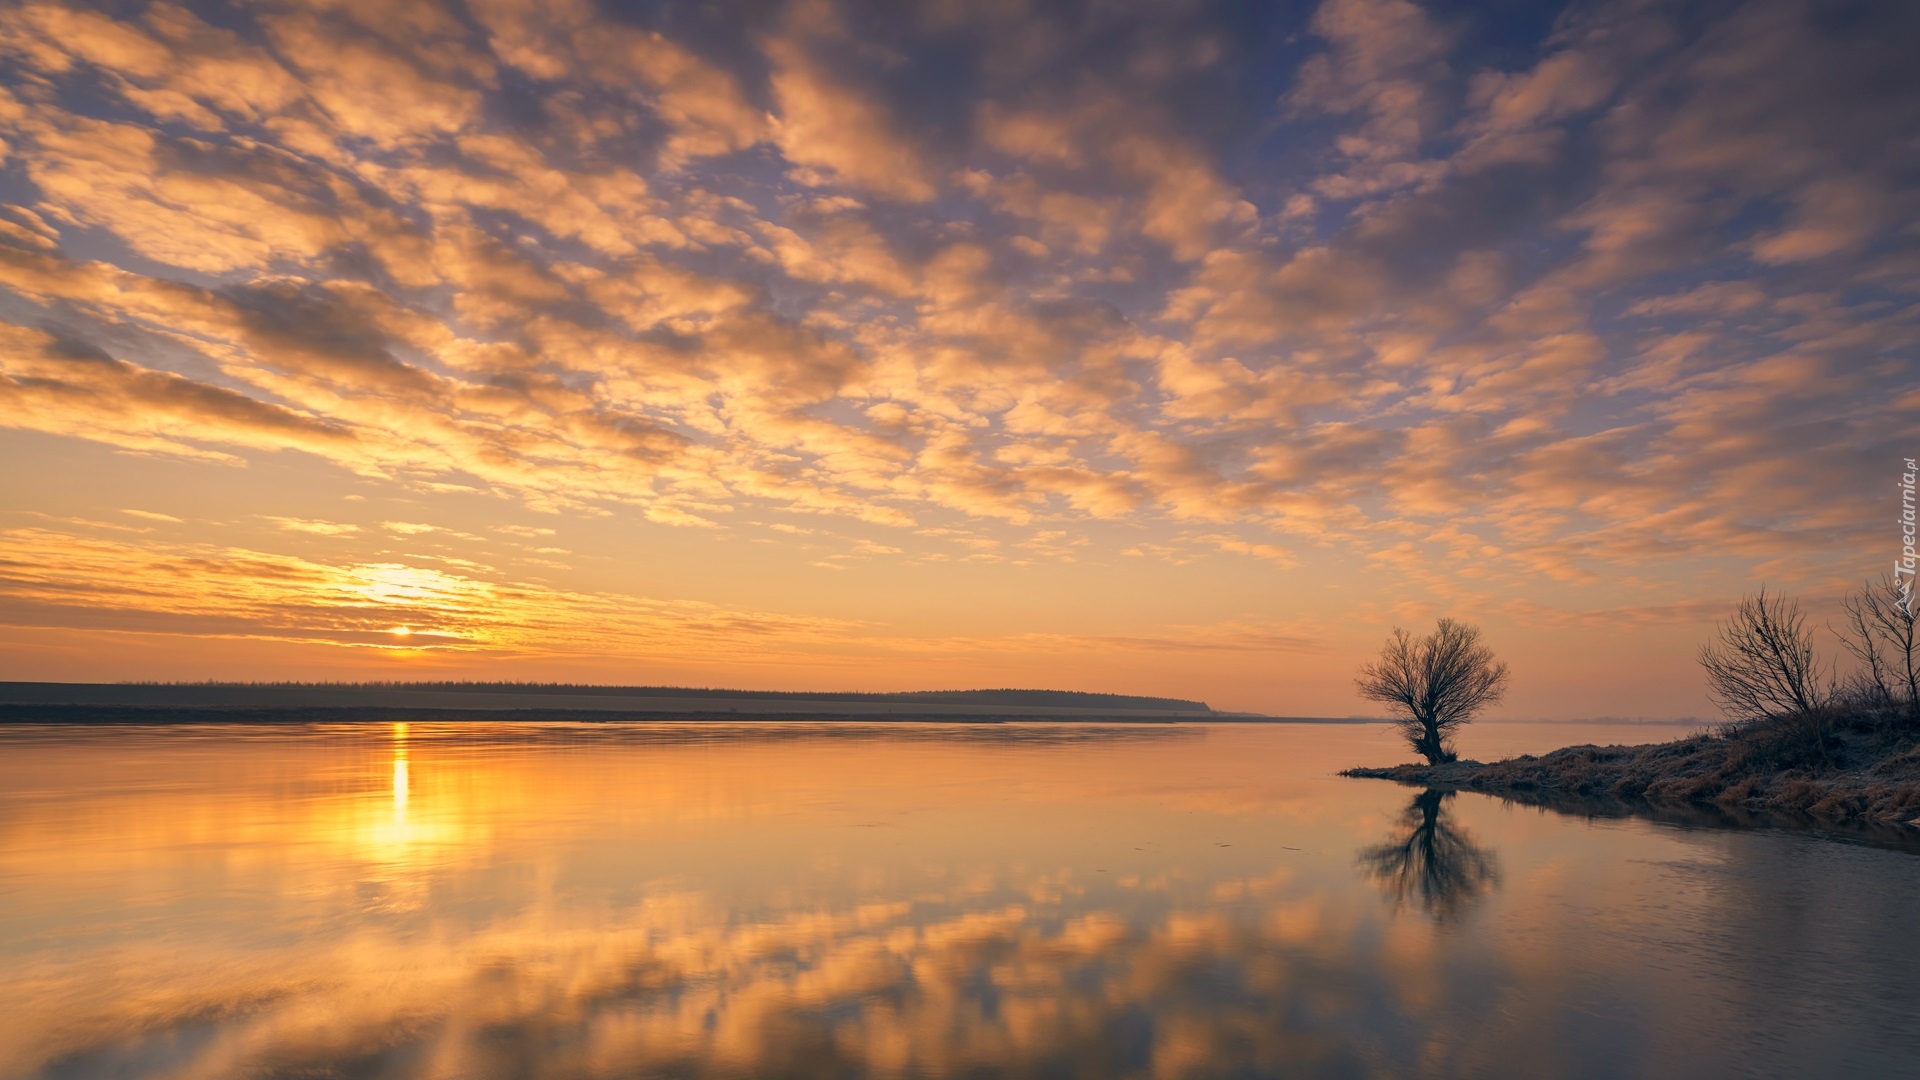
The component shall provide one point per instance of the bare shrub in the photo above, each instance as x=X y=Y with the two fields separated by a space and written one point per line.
x=1763 y=673
x=1763 y=664
x=1436 y=684
x=1879 y=630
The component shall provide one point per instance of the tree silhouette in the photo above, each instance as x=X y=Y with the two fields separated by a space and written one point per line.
x=1436 y=684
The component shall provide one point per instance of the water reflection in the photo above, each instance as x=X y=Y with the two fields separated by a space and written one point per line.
x=399 y=774
x=417 y=901
x=1431 y=862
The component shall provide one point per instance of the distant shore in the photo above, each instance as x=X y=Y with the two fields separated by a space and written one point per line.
x=1860 y=774
x=109 y=714
x=253 y=703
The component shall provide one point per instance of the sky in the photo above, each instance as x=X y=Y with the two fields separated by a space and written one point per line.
x=1177 y=348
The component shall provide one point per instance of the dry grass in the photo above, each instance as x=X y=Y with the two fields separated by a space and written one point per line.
x=1840 y=766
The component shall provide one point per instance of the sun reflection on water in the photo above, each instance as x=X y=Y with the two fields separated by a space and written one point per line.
x=399 y=773
x=401 y=839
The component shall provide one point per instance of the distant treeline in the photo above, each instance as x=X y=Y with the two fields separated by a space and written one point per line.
x=1063 y=699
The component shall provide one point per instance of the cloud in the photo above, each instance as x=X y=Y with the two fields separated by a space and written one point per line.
x=1180 y=198
x=317 y=528
x=835 y=133
x=563 y=44
x=1607 y=296
x=1272 y=553
x=1387 y=60
x=57 y=579
x=67 y=387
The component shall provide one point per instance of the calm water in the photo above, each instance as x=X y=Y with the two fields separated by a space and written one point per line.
x=884 y=900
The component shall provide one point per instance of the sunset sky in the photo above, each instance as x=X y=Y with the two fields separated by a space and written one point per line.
x=1173 y=348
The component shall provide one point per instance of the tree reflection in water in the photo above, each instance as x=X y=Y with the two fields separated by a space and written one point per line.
x=1430 y=861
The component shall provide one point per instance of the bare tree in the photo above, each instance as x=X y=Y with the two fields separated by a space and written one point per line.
x=1436 y=683
x=1880 y=632
x=1763 y=664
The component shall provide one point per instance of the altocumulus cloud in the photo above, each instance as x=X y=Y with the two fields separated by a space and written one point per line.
x=1634 y=282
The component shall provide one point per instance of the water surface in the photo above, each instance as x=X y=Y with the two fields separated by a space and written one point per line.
x=617 y=900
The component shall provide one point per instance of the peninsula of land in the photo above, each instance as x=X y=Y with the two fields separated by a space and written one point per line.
x=1837 y=769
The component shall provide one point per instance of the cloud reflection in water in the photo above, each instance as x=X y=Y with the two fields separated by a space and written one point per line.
x=612 y=901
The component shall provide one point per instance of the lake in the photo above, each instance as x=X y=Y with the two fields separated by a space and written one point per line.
x=905 y=900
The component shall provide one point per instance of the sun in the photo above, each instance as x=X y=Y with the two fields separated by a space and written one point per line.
x=401 y=631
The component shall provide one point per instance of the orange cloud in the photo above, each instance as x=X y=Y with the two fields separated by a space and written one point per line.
x=1610 y=304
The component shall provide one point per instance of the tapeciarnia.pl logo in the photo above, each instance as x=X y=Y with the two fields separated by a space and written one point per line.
x=1903 y=567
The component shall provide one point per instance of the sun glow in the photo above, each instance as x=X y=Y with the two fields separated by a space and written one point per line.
x=1069 y=388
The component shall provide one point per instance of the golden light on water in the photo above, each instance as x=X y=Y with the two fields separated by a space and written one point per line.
x=398 y=839
x=399 y=774
x=951 y=907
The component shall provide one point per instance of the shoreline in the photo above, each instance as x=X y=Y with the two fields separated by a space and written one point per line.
x=1857 y=780
x=159 y=715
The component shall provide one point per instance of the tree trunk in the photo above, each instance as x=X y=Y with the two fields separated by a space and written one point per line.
x=1430 y=743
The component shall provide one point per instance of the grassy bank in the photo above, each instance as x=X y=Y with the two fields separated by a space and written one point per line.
x=1840 y=766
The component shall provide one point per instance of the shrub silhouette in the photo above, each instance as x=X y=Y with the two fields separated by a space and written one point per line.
x=1880 y=632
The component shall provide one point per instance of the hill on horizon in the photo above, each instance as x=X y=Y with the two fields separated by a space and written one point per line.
x=550 y=696
x=1002 y=697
